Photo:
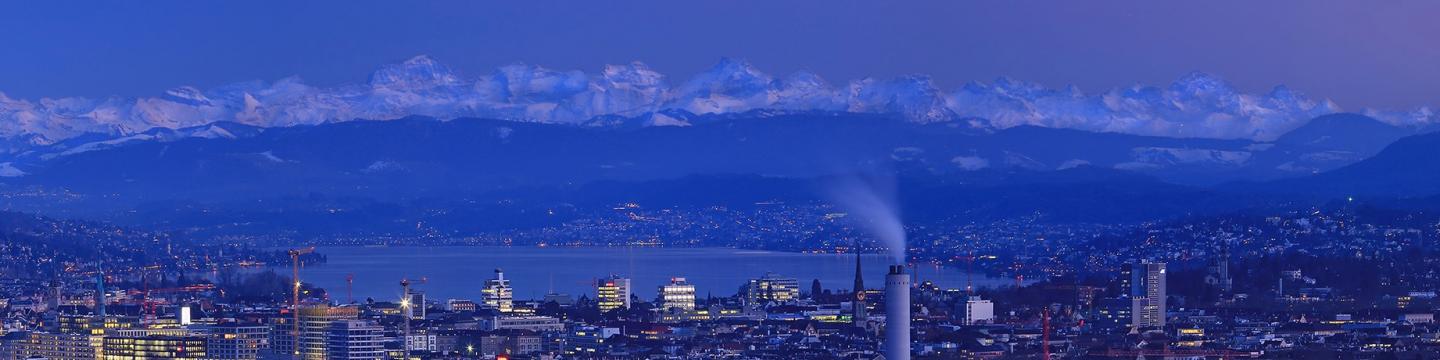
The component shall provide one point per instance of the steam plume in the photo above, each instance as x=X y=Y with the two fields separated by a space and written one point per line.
x=870 y=202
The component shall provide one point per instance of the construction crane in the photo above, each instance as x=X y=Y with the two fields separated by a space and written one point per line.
x=350 y=288
x=295 y=292
x=969 y=271
x=1045 y=332
x=407 y=311
x=1019 y=277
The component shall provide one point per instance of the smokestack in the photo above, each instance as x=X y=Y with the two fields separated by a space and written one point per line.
x=897 y=314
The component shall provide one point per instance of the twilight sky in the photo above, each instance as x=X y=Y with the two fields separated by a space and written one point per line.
x=1359 y=53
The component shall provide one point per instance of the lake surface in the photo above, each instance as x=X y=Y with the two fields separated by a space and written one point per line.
x=459 y=271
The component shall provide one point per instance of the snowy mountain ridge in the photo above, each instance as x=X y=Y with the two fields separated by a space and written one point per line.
x=1196 y=105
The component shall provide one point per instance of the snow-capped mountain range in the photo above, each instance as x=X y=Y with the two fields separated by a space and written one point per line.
x=1196 y=105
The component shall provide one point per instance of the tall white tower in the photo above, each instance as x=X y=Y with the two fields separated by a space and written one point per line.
x=897 y=314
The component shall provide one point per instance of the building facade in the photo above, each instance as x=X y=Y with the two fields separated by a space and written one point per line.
x=772 y=288
x=497 y=293
x=612 y=293
x=1147 y=294
x=354 y=340
x=677 y=295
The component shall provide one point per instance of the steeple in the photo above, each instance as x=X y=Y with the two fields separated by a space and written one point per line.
x=858 y=314
x=859 y=278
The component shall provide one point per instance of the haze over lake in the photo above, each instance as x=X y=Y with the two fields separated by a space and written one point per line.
x=458 y=272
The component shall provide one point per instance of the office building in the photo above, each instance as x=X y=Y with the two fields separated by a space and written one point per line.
x=283 y=338
x=236 y=341
x=613 y=293
x=1147 y=294
x=354 y=340
x=313 y=343
x=772 y=288
x=587 y=341
x=978 y=311
x=677 y=295
x=535 y=323
x=460 y=305
x=154 y=347
x=54 y=346
x=415 y=305
x=497 y=293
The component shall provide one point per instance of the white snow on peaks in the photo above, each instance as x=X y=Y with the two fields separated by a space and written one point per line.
x=1196 y=105
x=420 y=72
x=913 y=97
x=8 y=169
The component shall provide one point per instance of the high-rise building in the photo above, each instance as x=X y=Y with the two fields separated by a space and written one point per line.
x=354 y=340
x=155 y=347
x=415 y=305
x=237 y=341
x=1147 y=294
x=497 y=293
x=612 y=293
x=315 y=328
x=978 y=311
x=677 y=295
x=283 y=339
x=772 y=288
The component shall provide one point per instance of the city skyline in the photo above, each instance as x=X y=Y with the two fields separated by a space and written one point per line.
x=706 y=180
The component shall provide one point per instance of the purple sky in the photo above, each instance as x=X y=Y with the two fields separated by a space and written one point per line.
x=1359 y=53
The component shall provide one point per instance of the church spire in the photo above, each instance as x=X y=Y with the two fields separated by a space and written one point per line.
x=858 y=316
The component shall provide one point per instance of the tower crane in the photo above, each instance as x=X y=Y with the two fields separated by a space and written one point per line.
x=350 y=288
x=295 y=291
x=407 y=311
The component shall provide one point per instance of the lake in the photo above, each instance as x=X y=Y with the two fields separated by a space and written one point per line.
x=459 y=271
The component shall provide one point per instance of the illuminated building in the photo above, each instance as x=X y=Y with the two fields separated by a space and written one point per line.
x=95 y=326
x=315 y=328
x=613 y=293
x=586 y=341
x=978 y=311
x=154 y=347
x=1189 y=337
x=533 y=323
x=57 y=347
x=1112 y=314
x=282 y=338
x=460 y=305
x=237 y=342
x=354 y=340
x=677 y=295
x=497 y=293
x=772 y=288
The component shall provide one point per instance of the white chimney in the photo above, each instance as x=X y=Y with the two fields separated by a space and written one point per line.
x=897 y=314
